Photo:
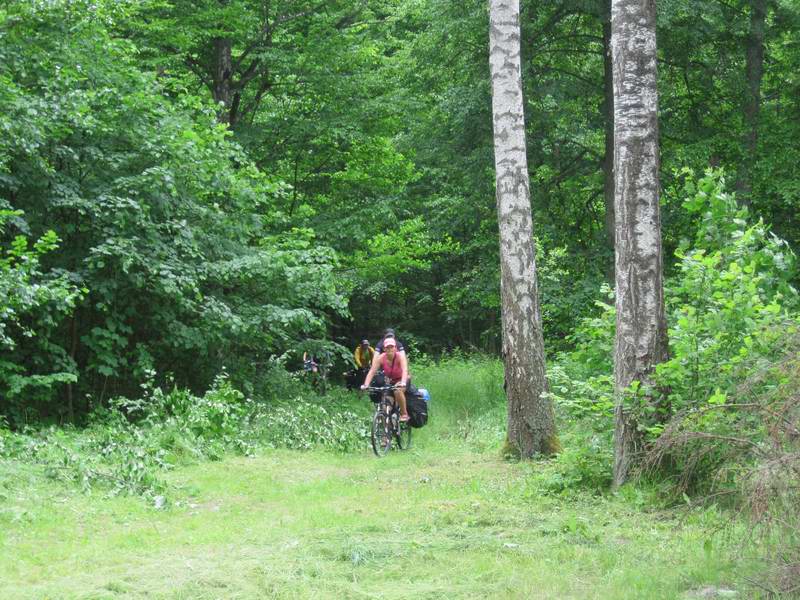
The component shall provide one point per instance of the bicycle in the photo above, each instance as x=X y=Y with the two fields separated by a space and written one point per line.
x=386 y=423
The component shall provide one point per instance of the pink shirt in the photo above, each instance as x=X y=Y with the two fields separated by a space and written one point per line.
x=394 y=370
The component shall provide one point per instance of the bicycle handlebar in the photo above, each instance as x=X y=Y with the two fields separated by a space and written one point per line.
x=383 y=388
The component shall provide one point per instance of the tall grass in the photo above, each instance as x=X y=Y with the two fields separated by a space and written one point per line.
x=462 y=387
x=467 y=399
x=468 y=406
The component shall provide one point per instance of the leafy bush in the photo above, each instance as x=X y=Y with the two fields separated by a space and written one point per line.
x=581 y=381
x=127 y=446
x=731 y=308
x=170 y=226
x=583 y=464
x=729 y=304
x=302 y=424
x=32 y=304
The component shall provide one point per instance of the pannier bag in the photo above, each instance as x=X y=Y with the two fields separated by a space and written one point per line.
x=418 y=407
x=378 y=381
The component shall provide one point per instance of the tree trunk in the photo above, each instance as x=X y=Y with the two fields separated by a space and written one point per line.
x=641 y=336
x=531 y=423
x=608 y=120
x=72 y=351
x=752 y=105
x=223 y=73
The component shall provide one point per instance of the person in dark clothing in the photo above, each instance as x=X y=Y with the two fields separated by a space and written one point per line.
x=386 y=334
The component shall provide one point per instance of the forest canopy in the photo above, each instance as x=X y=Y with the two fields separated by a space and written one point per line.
x=191 y=188
x=580 y=218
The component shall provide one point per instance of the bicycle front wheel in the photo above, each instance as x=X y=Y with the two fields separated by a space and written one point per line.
x=403 y=435
x=381 y=434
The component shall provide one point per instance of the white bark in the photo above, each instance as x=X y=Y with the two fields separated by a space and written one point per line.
x=531 y=426
x=641 y=339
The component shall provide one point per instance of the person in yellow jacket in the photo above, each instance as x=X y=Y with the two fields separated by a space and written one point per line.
x=363 y=355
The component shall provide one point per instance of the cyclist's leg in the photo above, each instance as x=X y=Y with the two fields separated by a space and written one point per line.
x=400 y=397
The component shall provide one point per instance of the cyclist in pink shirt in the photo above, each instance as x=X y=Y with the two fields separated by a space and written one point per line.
x=395 y=372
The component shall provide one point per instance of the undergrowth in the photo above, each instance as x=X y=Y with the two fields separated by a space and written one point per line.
x=128 y=445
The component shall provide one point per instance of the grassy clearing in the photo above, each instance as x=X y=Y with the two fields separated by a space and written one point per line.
x=447 y=519
x=294 y=525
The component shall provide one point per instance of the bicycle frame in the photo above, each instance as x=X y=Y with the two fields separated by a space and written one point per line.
x=388 y=411
x=387 y=394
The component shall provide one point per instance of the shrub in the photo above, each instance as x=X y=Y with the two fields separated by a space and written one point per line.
x=748 y=450
x=730 y=309
x=729 y=304
x=33 y=301
x=126 y=447
x=180 y=239
x=302 y=424
x=583 y=464
x=581 y=381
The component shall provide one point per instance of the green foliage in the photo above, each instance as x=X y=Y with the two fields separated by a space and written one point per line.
x=302 y=424
x=126 y=447
x=343 y=166
x=733 y=326
x=584 y=464
x=581 y=380
x=729 y=308
x=33 y=302
x=567 y=290
x=169 y=225
x=729 y=302
x=581 y=397
x=398 y=254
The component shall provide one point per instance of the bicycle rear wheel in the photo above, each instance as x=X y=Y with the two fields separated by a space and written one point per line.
x=381 y=434
x=403 y=435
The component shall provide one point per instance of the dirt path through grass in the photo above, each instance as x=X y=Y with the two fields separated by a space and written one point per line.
x=428 y=523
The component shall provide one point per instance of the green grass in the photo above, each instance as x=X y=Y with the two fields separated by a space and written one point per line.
x=447 y=519
x=433 y=522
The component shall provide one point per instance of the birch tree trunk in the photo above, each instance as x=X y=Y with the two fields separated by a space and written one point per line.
x=608 y=121
x=531 y=423
x=641 y=336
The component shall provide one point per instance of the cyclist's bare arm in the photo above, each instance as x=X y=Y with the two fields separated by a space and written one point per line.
x=372 y=369
x=404 y=367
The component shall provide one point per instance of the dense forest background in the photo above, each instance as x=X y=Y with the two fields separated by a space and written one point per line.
x=193 y=194
x=192 y=187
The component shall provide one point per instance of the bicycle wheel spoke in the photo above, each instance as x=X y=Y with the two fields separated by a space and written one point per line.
x=403 y=436
x=381 y=434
